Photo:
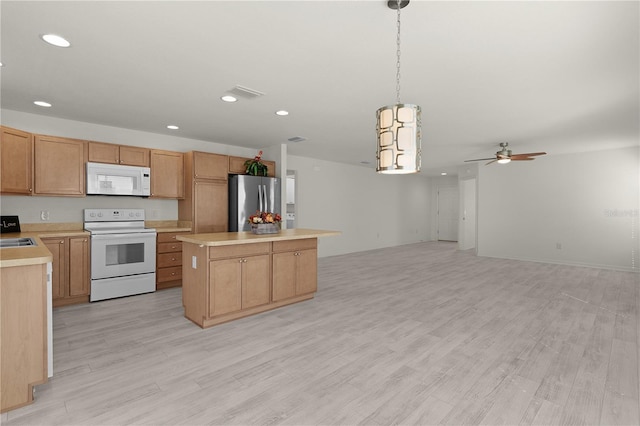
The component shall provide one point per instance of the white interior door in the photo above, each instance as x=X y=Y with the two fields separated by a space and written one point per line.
x=448 y=214
x=468 y=240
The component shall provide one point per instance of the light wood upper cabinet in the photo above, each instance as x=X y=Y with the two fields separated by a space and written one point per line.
x=210 y=166
x=118 y=154
x=167 y=174
x=104 y=153
x=134 y=156
x=205 y=203
x=210 y=211
x=237 y=167
x=60 y=166
x=16 y=161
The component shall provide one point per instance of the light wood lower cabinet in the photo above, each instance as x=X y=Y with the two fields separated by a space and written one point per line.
x=223 y=283
x=71 y=279
x=169 y=260
x=295 y=268
x=23 y=333
x=238 y=283
x=167 y=174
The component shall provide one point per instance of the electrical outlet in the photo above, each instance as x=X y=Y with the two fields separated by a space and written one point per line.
x=44 y=215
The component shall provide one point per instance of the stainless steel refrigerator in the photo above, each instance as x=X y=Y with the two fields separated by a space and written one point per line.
x=251 y=194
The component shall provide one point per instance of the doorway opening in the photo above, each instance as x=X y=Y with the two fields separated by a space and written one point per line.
x=290 y=213
x=448 y=202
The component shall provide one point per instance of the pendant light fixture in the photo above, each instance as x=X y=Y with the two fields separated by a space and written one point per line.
x=398 y=126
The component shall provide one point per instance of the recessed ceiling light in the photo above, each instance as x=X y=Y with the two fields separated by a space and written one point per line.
x=228 y=98
x=443 y=174
x=42 y=104
x=55 y=40
x=172 y=127
x=282 y=112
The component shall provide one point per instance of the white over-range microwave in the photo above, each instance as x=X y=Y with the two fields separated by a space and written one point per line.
x=114 y=179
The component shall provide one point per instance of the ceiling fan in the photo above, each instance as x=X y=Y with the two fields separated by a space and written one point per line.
x=505 y=156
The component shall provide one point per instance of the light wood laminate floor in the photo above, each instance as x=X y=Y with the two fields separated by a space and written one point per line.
x=417 y=334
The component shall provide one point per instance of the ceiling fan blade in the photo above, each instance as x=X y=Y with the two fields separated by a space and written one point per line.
x=480 y=159
x=530 y=154
x=522 y=159
x=494 y=160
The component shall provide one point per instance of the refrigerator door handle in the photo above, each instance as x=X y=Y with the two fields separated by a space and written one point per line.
x=260 y=197
x=266 y=199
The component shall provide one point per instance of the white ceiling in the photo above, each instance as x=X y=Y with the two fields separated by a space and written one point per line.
x=544 y=76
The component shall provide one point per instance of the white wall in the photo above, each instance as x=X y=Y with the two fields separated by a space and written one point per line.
x=371 y=210
x=438 y=182
x=69 y=209
x=586 y=202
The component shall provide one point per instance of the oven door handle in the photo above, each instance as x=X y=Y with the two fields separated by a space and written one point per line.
x=123 y=236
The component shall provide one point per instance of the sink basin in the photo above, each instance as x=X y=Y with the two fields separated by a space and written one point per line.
x=17 y=242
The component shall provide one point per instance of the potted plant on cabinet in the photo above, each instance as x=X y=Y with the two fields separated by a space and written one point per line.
x=255 y=166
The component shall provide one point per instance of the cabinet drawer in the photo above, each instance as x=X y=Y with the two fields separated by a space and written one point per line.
x=169 y=274
x=168 y=237
x=292 y=245
x=175 y=246
x=238 y=250
x=169 y=259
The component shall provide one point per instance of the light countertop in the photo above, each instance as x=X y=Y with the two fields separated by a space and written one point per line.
x=24 y=256
x=233 y=238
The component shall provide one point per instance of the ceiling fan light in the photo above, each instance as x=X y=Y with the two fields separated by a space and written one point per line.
x=504 y=160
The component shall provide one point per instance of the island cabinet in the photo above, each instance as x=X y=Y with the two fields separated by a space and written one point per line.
x=295 y=268
x=238 y=278
x=230 y=275
x=23 y=333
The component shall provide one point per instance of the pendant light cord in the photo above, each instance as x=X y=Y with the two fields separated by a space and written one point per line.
x=398 y=57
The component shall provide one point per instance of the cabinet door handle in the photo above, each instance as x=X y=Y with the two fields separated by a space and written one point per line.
x=173 y=258
x=62 y=242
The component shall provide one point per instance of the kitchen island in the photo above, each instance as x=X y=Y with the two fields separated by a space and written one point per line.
x=24 y=322
x=230 y=275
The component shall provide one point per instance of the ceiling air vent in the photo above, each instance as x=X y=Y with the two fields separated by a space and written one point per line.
x=245 y=92
x=297 y=139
